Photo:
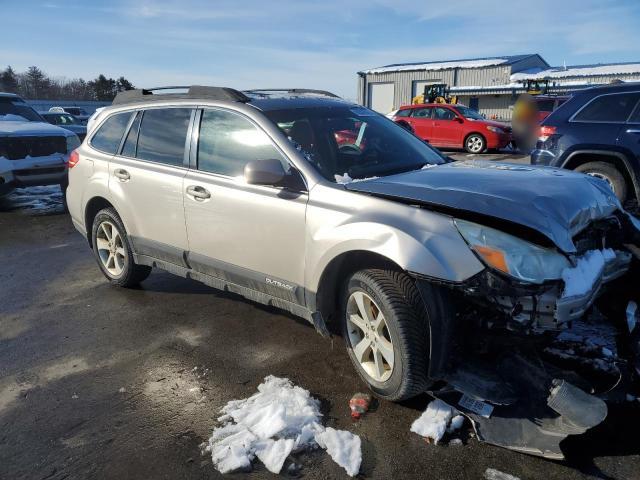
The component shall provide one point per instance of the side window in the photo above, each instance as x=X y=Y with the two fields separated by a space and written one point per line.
x=163 y=132
x=421 y=112
x=228 y=141
x=443 y=114
x=403 y=113
x=608 y=108
x=131 y=143
x=107 y=138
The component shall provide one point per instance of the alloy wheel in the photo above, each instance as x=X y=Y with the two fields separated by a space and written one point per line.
x=111 y=248
x=369 y=336
x=474 y=144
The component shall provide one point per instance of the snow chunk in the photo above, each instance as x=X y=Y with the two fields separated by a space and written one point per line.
x=434 y=420
x=581 y=279
x=456 y=423
x=493 y=474
x=343 y=447
x=277 y=420
x=273 y=453
x=477 y=63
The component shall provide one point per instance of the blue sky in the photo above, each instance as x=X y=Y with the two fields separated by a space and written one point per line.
x=320 y=44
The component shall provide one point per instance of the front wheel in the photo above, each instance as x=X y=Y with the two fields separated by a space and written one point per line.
x=475 y=143
x=386 y=332
x=113 y=252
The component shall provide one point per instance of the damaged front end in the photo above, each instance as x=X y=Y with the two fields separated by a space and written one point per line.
x=531 y=363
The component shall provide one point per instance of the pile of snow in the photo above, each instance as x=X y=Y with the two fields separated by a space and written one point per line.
x=579 y=71
x=10 y=117
x=344 y=179
x=581 y=279
x=437 y=419
x=488 y=62
x=278 y=420
x=493 y=474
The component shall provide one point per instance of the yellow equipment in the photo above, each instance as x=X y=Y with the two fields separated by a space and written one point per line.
x=435 y=93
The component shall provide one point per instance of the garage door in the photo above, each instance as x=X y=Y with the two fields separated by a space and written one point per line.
x=381 y=97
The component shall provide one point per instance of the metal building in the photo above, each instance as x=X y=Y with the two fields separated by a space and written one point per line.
x=490 y=85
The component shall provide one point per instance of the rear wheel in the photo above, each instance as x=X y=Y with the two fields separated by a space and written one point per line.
x=386 y=332
x=609 y=173
x=113 y=252
x=475 y=143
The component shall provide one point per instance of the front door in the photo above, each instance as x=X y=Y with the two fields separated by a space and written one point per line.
x=250 y=235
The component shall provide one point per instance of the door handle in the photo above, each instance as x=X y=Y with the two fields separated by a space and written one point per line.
x=198 y=192
x=634 y=130
x=121 y=174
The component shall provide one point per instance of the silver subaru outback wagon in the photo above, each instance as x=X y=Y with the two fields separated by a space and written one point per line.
x=479 y=282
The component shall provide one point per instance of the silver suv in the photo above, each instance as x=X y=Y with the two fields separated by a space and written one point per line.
x=457 y=278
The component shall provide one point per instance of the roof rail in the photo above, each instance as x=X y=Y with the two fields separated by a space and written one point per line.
x=299 y=91
x=192 y=92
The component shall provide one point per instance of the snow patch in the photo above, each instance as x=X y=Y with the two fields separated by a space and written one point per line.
x=439 y=65
x=344 y=179
x=343 y=447
x=493 y=474
x=578 y=71
x=277 y=420
x=581 y=279
x=437 y=419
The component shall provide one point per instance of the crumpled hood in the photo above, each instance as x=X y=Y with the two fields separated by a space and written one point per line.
x=557 y=203
x=30 y=129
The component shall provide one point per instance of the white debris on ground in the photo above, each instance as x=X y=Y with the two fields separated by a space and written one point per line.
x=437 y=419
x=343 y=447
x=493 y=474
x=278 y=420
x=580 y=279
x=122 y=390
x=344 y=179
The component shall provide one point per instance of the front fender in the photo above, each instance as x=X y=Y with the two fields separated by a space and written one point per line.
x=416 y=239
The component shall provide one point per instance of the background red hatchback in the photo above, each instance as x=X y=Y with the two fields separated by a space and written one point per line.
x=453 y=126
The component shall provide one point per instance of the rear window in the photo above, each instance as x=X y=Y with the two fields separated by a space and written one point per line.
x=16 y=110
x=107 y=138
x=608 y=108
x=545 y=105
x=163 y=133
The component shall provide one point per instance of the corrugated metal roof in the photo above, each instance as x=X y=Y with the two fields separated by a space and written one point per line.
x=579 y=71
x=449 y=64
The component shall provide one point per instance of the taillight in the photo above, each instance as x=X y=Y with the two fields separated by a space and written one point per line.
x=74 y=158
x=545 y=132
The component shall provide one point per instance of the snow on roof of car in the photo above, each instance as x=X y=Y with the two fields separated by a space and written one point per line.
x=448 y=64
x=579 y=71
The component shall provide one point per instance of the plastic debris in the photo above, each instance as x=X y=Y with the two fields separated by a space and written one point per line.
x=359 y=404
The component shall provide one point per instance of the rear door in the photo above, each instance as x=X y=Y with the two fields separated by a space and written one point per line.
x=146 y=179
x=250 y=235
x=422 y=122
x=629 y=136
x=447 y=132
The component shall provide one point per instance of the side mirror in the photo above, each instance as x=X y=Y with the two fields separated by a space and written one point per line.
x=458 y=119
x=270 y=172
x=264 y=172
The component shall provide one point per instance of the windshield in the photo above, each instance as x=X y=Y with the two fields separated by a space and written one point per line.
x=16 y=110
x=63 y=119
x=353 y=141
x=469 y=113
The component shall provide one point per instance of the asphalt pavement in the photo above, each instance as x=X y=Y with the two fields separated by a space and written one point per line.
x=101 y=382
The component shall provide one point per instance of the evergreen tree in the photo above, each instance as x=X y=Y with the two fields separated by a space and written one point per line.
x=9 y=80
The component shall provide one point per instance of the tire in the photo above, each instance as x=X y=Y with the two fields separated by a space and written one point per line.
x=475 y=143
x=63 y=189
x=405 y=331
x=610 y=174
x=113 y=251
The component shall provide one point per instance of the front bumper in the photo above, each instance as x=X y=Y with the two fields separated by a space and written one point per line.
x=36 y=171
x=498 y=141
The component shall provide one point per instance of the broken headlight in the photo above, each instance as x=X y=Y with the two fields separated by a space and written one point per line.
x=511 y=255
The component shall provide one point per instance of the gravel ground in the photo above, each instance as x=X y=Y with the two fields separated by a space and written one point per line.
x=99 y=382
